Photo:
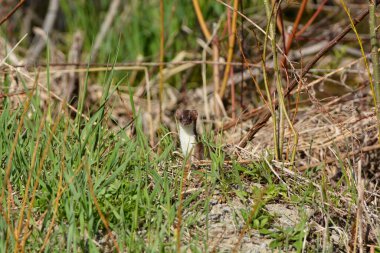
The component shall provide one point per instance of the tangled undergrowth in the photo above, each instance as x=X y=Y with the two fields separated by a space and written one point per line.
x=88 y=141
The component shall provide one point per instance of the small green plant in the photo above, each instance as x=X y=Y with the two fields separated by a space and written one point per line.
x=289 y=237
x=261 y=220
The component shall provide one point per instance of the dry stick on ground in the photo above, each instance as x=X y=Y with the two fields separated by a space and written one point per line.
x=111 y=14
x=145 y=64
x=18 y=93
x=39 y=42
x=266 y=115
x=12 y=12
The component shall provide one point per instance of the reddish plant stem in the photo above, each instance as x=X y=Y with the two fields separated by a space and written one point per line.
x=311 y=20
x=294 y=30
x=12 y=12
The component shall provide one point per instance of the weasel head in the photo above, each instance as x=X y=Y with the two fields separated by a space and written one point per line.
x=186 y=117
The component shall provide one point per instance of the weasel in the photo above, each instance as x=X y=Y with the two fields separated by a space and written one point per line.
x=188 y=136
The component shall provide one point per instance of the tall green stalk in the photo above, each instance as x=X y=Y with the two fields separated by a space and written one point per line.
x=271 y=16
x=277 y=152
x=280 y=93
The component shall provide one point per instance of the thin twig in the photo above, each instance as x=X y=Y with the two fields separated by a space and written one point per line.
x=12 y=12
x=11 y=51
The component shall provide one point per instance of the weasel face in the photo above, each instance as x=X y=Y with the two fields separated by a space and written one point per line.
x=186 y=117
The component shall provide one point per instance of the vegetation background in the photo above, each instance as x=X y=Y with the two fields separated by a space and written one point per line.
x=287 y=94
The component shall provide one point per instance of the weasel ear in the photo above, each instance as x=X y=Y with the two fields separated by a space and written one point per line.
x=194 y=113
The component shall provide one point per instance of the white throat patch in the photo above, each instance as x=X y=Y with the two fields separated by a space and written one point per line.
x=187 y=138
